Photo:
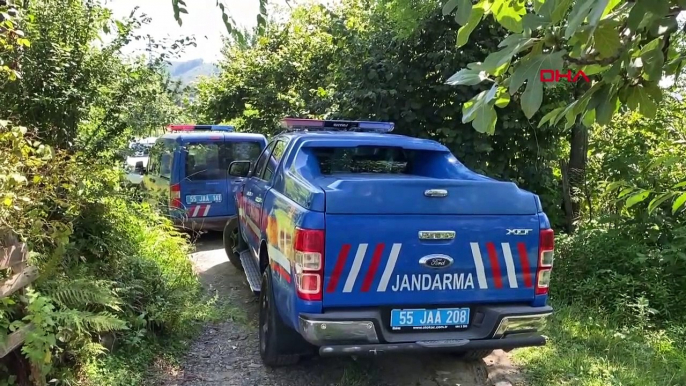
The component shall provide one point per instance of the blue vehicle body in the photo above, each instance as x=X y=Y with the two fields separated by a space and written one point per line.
x=398 y=247
x=188 y=173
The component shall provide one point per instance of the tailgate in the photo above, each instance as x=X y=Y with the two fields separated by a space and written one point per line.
x=408 y=194
x=381 y=260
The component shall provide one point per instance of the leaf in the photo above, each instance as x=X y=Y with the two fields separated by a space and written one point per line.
x=659 y=200
x=466 y=30
x=530 y=69
x=464 y=12
x=639 y=99
x=579 y=12
x=679 y=185
x=625 y=192
x=606 y=110
x=467 y=77
x=449 y=7
x=678 y=203
x=637 y=198
x=531 y=22
x=637 y=13
x=606 y=40
x=653 y=59
x=502 y=98
x=589 y=118
x=532 y=98
x=486 y=119
x=470 y=110
x=509 y=14
x=555 y=10
x=550 y=116
x=516 y=44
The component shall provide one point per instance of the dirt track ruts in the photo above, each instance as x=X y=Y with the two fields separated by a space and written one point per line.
x=226 y=353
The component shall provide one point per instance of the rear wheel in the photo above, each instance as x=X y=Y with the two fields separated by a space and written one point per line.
x=231 y=238
x=277 y=340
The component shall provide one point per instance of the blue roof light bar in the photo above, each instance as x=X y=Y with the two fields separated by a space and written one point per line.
x=296 y=124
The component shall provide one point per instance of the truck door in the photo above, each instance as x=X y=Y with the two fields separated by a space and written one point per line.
x=261 y=183
x=252 y=203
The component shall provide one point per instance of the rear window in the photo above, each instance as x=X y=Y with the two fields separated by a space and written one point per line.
x=211 y=160
x=364 y=159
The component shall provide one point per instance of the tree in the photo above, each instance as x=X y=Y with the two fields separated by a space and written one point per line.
x=624 y=46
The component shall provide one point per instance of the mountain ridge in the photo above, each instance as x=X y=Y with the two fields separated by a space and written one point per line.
x=189 y=71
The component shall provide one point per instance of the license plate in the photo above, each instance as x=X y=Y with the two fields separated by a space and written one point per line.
x=430 y=319
x=203 y=198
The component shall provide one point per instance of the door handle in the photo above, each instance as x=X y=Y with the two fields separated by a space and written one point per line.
x=258 y=199
x=248 y=193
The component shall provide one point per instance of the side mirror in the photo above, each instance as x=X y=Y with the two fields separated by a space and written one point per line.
x=240 y=168
x=139 y=168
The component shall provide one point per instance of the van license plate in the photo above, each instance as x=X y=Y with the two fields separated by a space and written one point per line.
x=203 y=198
x=436 y=319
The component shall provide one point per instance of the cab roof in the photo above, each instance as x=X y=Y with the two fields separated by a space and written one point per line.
x=190 y=136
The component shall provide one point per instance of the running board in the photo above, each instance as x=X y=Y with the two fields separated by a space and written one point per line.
x=252 y=270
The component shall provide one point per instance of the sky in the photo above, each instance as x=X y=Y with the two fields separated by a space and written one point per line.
x=203 y=20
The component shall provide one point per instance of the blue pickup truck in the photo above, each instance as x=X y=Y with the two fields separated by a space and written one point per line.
x=363 y=242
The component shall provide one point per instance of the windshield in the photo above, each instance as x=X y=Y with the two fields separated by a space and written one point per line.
x=211 y=160
x=140 y=149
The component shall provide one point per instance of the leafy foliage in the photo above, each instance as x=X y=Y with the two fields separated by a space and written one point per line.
x=624 y=45
x=114 y=274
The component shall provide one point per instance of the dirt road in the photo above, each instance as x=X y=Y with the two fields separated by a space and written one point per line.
x=227 y=353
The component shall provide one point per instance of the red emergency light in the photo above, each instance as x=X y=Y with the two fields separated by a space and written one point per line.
x=181 y=127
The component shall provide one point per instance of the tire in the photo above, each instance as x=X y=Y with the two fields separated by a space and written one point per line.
x=474 y=355
x=277 y=340
x=231 y=235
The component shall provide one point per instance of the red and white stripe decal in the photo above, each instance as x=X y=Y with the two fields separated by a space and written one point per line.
x=199 y=210
x=494 y=259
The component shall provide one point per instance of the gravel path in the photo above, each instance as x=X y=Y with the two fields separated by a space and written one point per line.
x=227 y=353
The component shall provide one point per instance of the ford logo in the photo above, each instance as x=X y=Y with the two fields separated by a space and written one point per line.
x=436 y=261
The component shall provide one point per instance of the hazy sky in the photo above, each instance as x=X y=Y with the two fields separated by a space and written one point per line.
x=203 y=20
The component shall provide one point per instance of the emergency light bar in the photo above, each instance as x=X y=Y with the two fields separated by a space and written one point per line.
x=296 y=124
x=200 y=128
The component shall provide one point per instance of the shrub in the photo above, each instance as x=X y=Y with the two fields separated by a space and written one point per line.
x=112 y=270
x=629 y=269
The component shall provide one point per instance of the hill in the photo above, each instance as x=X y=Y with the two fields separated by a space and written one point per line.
x=190 y=70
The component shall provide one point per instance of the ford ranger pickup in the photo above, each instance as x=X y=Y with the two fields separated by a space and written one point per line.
x=363 y=242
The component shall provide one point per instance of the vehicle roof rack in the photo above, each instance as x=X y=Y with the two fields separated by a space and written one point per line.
x=297 y=124
x=182 y=127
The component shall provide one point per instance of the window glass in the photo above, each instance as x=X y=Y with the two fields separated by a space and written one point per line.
x=274 y=159
x=262 y=162
x=364 y=159
x=211 y=160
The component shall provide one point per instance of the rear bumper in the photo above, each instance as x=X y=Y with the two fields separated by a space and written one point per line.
x=203 y=223
x=360 y=332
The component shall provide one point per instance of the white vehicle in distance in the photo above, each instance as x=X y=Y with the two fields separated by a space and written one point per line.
x=137 y=161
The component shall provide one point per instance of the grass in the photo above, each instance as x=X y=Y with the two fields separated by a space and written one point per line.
x=132 y=366
x=586 y=349
x=358 y=374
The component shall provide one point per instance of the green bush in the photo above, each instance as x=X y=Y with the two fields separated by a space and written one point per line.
x=114 y=274
x=622 y=269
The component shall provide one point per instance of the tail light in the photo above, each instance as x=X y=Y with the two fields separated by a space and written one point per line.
x=546 y=247
x=309 y=263
x=175 y=196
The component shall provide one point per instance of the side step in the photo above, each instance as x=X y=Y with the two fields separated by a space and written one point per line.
x=252 y=270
